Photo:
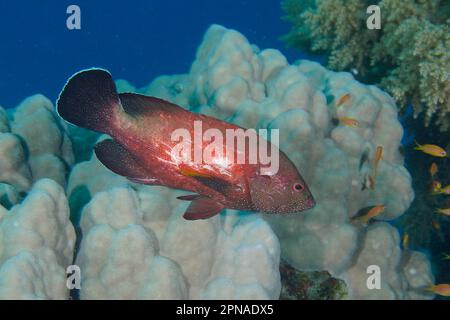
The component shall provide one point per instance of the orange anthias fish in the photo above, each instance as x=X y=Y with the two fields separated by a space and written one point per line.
x=405 y=241
x=440 y=289
x=349 y=122
x=378 y=156
x=445 y=211
x=432 y=150
x=376 y=160
x=436 y=225
x=343 y=99
x=143 y=150
x=436 y=187
x=368 y=213
x=433 y=170
x=368 y=183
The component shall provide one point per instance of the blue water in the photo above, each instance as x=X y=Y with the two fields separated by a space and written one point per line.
x=136 y=40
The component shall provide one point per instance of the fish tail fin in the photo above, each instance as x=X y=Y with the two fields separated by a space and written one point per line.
x=429 y=289
x=89 y=100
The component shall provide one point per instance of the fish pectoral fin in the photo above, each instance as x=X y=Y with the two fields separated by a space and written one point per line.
x=119 y=160
x=216 y=183
x=190 y=172
x=202 y=208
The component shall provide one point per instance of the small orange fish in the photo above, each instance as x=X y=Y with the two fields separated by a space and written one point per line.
x=371 y=182
x=435 y=187
x=445 y=190
x=431 y=149
x=440 y=289
x=350 y=122
x=436 y=225
x=372 y=213
x=368 y=183
x=405 y=241
x=378 y=155
x=433 y=169
x=445 y=211
x=376 y=160
x=343 y=99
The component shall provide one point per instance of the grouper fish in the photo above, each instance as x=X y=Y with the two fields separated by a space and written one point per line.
x=142 y=150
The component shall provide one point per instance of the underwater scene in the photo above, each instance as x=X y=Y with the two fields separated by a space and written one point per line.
x=225 y=150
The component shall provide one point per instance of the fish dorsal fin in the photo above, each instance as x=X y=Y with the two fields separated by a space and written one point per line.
x=137 y=104
x=119 y=160
x=202 y=208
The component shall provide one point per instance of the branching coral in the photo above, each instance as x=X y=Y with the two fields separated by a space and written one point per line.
x=409 y=56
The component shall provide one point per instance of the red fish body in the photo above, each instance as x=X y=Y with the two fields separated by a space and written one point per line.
x=144 y=150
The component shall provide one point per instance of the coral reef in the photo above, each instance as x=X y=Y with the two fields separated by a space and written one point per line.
x=36 y=245
x=312 y=285
x=235 y=81
x=33 y=144
x=426 y=229
x=409 y=57
x=131 y=239
x=380 y=248
x=228 y=257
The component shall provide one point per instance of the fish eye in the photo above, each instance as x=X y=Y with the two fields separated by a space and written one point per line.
x=298 y=186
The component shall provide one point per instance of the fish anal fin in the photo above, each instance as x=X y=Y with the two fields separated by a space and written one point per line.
x=119 y=160
x=202 y=208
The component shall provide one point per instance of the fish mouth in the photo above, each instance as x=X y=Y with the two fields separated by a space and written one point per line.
x=301 y=206
x=306 y=205
x=309 y=204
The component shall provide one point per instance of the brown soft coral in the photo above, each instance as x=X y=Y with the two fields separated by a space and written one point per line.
x=409 y=57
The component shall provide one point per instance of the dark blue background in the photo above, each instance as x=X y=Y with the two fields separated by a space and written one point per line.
x=136 y=40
